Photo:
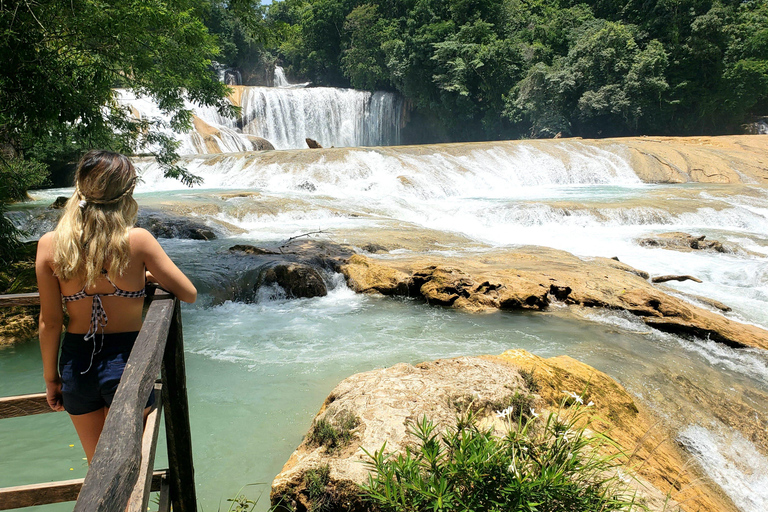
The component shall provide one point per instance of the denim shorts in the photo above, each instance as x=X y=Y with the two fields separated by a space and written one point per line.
x=87 y=386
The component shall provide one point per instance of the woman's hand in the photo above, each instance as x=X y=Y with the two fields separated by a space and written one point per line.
x=53 y=394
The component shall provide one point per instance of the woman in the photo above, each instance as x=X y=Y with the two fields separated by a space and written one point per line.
x=97 y=262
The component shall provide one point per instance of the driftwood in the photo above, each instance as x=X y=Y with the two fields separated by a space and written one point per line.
x=664 y=279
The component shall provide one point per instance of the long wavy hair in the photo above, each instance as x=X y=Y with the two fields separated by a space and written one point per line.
x=93 y=232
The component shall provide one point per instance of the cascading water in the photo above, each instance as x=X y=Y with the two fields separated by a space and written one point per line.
x=285 y=116
x=259 y=371
x=282 y=81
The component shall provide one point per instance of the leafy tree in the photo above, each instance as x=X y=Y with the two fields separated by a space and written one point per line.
x=63 y=59
x=364 y=59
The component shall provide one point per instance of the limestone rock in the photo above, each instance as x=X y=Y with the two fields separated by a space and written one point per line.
x=313 y=144
x=260 y=144
x=162 y=225
x=386 y=400
x=365 y=277
x=298 y=280
x=534 y=277
x=251 y=249
x=684 y=242
x=18 y=324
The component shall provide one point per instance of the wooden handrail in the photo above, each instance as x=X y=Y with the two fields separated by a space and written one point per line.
x=23 y=405
x=57 y=492
x=20 y=299
x=120 y=475
x=115 y=466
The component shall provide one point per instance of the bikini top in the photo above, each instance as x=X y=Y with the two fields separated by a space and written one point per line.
x=98 y=315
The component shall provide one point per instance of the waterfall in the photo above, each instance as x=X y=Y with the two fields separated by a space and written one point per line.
x=282 y=81
x=333 y=117
x=229 y=76
x=285 y=116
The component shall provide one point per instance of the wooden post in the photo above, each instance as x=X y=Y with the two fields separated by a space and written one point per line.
x=177 y=429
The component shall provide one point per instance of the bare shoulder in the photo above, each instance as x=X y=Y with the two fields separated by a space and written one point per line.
x=140 y=238
x=45 y=247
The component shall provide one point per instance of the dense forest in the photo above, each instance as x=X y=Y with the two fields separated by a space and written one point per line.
x=468 y=69
x=487 y=69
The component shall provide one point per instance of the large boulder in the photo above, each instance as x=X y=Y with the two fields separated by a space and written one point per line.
x=162 y=225
x=260 y=143
x=383 y=402
x=297 y=279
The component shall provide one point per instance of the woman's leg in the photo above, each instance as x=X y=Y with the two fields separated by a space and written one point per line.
x=89 y=427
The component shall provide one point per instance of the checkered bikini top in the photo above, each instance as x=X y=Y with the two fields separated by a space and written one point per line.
x=98 y=315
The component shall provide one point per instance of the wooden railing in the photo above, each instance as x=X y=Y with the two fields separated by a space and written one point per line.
x=121 y=474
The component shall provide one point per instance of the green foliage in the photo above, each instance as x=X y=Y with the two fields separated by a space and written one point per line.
x=548 y=465
x=494 y=69
x=16 y=177
x=61 y=61
x=334 y=434
x=316 y=481
x=529 y=379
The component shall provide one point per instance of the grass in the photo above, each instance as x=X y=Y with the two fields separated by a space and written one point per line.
x=316 y=480
x=333 y=434
x=540 y=465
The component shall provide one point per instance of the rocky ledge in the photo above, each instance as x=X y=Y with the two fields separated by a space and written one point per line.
x=534 y=278
x=384 y=401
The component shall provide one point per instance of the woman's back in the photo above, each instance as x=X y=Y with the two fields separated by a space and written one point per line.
x=123 y=310
x=98 y=264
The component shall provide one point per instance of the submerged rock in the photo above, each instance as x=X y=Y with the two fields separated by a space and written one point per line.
x=162 y=225
x=684 y=242
x=59 y=203
x=385 y=401
x=297 y=279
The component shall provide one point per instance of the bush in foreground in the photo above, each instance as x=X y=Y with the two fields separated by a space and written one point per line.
x=543 y=465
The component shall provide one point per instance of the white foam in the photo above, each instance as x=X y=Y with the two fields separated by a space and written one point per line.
x=733 y=463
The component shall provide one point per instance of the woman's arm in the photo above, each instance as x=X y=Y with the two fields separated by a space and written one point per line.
x=51 y=320
x=161 y=267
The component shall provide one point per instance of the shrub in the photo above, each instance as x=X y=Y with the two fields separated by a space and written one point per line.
x=335 y=434
x=543 y=465
x=316 y=481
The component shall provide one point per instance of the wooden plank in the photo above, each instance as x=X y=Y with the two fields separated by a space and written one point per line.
x=164 y=504
x=177 y=430
x=140 y=496
x=57 y=492
x=23 y=405
x=20 y=299
x=115 y=466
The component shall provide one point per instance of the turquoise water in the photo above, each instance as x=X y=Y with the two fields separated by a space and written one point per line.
x=258 y=373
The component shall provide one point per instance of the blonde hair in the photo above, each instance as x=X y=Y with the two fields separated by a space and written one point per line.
x=93 y=232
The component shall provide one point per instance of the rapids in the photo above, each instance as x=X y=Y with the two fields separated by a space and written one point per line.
x=259 y=372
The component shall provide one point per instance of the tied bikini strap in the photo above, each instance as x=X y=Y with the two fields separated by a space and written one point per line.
x=99 y=315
